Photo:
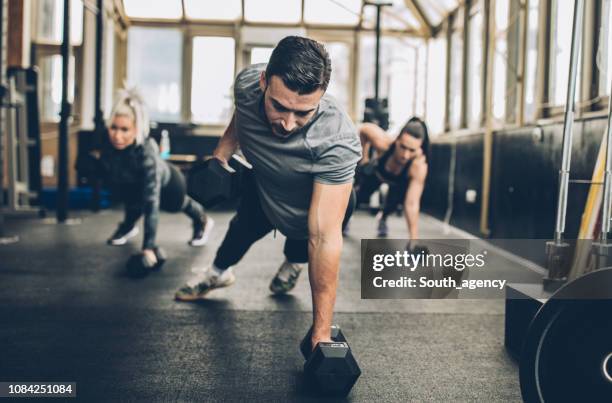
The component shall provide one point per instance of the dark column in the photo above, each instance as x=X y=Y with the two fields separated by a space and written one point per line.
x=65 y=115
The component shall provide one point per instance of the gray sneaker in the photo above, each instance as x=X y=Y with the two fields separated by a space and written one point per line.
x=382 y=230
x=286 y=277
x=206 y=281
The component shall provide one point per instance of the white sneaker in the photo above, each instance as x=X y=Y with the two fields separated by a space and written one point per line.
x=120 y=237
x=286 y=277
x=207 y=280
x=201 y=235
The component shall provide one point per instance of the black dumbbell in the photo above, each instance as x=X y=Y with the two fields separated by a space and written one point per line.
x=211 y=182
x=139 y=265
x=331 y=366
x=306 y=345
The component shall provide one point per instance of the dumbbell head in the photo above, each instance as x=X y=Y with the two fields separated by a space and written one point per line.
x=139 y=265
x=161 y=256
x=332 y=368
x=306 y=345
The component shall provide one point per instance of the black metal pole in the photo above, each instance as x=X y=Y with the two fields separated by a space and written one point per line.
x=99 y=114
x=377 y=60
x=62 y=180
x=2 y=94
x=99 y=127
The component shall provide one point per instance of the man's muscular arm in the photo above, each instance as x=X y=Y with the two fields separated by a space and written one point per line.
x=327 y=209
x=228 y=144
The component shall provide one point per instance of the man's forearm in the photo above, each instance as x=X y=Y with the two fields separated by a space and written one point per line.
x=324 y=264
x=412 y=221
x=228 y=143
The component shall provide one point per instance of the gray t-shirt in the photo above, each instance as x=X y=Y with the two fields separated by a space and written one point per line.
x=326 y=150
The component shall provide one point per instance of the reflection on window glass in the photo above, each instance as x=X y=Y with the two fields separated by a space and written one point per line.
x=531 y=60
x=475 y=71
x=500 y=60
x=166 y=9
x=50 y=80
x=604 y=53
x=436 y=85
x=340 y=12
x=456 y=73
x=50 y=21
x=210 y=10
x=212 y=79
x=436 y=10
x=397 y=77
x=260 y=54
x=339 y=53
x=154 y=66
x=561 y=43
x=285 y=11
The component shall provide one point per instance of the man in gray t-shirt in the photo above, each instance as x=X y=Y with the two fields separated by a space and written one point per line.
x=304 y=150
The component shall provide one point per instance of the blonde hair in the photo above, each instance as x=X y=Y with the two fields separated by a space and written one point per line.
x=129 y=103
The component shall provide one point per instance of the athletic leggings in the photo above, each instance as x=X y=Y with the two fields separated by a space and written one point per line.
x=368 y=183
x=173 y=198
x=251 y=224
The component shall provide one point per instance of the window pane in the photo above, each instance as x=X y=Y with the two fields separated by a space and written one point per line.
x=561 y=44
x=154 y=66
x=604 y=53
x=158 y=9
x=500 y=60
x=212 y=79
x=50 y=21
x=340 y=55
x=108 y=71
x=341 y=12
x=261 y=55
x=436 y=10
x=285 y=11
x=397 y=16
x=436 y=85
x=210 y=10
x=475 y=71
x=456 y=70
x=397 y=77
x=50 y=79
x=532 y=60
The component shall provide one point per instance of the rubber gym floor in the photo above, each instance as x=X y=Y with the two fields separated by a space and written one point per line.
x=68 y=312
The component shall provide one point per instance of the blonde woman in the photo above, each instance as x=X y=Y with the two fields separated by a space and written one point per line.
x=142 y=180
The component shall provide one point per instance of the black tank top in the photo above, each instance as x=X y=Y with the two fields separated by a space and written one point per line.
x=389 y=177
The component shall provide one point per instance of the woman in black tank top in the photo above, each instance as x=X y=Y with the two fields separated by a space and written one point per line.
x=401 y=164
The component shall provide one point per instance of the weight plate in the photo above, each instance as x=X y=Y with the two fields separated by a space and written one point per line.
x=566 y=354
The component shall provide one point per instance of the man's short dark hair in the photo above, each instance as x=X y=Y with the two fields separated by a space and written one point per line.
x=303 y=64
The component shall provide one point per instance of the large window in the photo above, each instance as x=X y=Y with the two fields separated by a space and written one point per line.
x=531 y=54
x=604 y=53
x=212 y=10
x=273 y=11
x=339 y=84
x=162 y=10
x=397 y=77
x=211 y=80
x=500 y=60
x=561 y=44
x=436 y=85
x=475 y=73
x=50 y=79
x=261 y=54
x=335 y=12
x=456 y=71
x=50 y=21
x=154 y=66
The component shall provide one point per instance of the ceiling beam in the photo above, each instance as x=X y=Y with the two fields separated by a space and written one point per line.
x=416 y=9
